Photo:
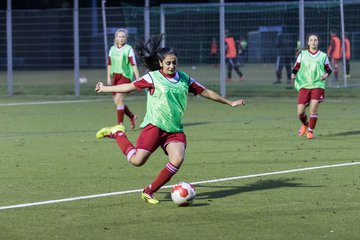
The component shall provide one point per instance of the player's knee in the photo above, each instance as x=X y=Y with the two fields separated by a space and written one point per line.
x=177 y=160
x=301 y=115
x=136 y=163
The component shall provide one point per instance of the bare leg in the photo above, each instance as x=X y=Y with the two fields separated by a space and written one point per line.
x=176 y=153
x=119 y=102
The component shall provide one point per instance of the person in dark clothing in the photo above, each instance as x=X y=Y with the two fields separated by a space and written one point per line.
x=285 y=56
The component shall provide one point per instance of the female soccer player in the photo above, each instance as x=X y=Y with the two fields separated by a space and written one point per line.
x=311 y=69
x=121 y=68
x=167 y=95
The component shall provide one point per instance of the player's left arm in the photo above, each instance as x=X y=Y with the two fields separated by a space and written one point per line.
x=196 y=88
x=328 y=69
x=210 y=94
x=132 y=61
x=136 y=72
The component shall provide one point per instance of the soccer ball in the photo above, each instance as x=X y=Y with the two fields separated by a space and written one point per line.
x=183 y=194
x=83 y=80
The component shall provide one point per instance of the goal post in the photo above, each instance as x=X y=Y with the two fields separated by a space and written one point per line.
x=190 y=27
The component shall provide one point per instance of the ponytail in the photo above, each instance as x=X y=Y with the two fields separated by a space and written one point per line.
x=151 y=52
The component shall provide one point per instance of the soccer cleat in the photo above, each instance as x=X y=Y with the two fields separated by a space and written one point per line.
x=149 y=198
x=242 y=78
x=309 y=135
x=133 y=121
x=302 y=130
x=109 y=131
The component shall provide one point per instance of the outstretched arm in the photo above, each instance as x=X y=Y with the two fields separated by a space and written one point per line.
x=123 y=88
x=209 y=94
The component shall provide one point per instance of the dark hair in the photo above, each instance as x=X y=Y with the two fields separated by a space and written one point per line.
x=151 y=52
x=311 y=34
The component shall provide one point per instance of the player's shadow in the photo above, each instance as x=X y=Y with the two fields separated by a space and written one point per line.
x=196 y=123
x=225 y=191
x=341 y=134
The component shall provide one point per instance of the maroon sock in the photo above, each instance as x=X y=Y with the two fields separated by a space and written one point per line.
x=303 y=119
x=163 y=177
x=120 y=114
x=313 y=120
x=125 y=145
x=128 y=112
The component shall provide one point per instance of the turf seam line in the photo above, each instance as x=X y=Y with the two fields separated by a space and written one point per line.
x=49 y=102
x=169 y=186
x=57 y=102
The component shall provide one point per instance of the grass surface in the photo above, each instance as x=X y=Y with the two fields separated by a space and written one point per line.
x=49 y=152
x=258 y=83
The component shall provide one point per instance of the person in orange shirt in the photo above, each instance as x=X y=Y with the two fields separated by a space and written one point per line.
x=347 y=54
x=334 y=52
x=214 y=52
x=231 y=57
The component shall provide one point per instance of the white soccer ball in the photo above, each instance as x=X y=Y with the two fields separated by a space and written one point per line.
x=83 y=80
x=183 y=194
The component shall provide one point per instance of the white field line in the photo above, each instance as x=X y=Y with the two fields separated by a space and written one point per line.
x=169 y=186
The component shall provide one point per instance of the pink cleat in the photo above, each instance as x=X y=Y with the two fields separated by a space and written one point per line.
x=302 y=130
x=133 y=121
x=309 y=135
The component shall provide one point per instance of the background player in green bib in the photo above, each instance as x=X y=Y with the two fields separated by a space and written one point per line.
x=167 y=95
x=311 y=69
x=121 y=69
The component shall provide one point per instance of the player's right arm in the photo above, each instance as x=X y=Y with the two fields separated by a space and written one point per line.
x=296 y=66
x=142 y=83
x=122 y=88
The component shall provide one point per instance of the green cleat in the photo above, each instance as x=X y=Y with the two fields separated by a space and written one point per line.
x=109 y=132
x=149 y=198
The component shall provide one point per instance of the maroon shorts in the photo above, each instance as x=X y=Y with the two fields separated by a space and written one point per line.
x=151 y=137
x=119 y=79
x=306 y=95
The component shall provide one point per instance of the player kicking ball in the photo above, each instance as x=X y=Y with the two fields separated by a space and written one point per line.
x=162 y=127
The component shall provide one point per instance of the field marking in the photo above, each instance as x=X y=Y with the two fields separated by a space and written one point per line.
x=62 y=101
x=169 y=186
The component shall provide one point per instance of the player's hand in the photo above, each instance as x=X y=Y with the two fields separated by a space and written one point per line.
x=293 y=76
x=99 y=87
x=238 y=102
x=323 y=77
